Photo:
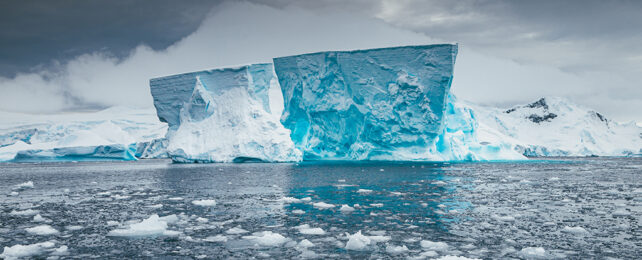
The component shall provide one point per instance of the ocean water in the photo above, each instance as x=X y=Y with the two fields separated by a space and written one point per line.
x=540 y=209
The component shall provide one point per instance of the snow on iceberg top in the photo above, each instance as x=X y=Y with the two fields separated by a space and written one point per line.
x=366 y=104
x=171 y=92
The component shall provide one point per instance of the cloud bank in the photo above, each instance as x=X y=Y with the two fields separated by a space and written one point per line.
x=241 y=33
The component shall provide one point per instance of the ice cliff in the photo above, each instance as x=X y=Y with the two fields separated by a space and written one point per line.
x=377 y=104
x=222 y=115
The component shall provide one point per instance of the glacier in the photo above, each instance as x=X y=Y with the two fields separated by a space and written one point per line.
x=112 y=134
x=555 y=126
x=222 y=115
x=379 y=104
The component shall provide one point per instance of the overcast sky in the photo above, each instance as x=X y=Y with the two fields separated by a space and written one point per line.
x=68 y=55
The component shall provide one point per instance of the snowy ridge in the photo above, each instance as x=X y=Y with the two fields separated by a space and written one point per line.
x=554 y=126
x=113 y=133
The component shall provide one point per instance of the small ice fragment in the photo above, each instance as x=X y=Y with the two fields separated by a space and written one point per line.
x=24 y=185
x=267 y=238
x=377 y=205
x=322 y=205
x=202 y=220
x=298 y=211
x=14 y=193
x=363 y=191
x=216 y=239
x=306 y=199
x=533 y=253
x=554 y=179
x=621 y=213
x=62 y=250
x=341 y=180
x=27 y=212
x=396 y=193
x=346 y=209
x=307 y=230
x=305 y=243
x=236 y=230
x=74 y=227
x=289 y=200
x=112 y=223
x=439 y=183
x=155 y=206
x=434 y=246
x=42 y=230
x=381 y=169
x=204 y=203
x=395 y=250
x=504 y=218
x=175 y=198
x=574 y=230
x=38 y=218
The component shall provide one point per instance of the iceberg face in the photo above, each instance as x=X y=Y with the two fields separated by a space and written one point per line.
x=222 y=115
x=379 y=104
x=81 y=153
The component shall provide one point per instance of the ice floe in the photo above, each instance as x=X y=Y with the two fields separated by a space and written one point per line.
x=42 y=230
x=307 y=230
x=204 y=203
x=267 y=238
x=152 y=226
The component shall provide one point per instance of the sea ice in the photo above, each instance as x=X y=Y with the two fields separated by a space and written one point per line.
x=307 y=230
x=267 y=238
x=391 y=249
x=434 y=246
x=152 y=226
x=22 y=251
x=323 y=205
x=346 y=209
x=204 y=203
x=42 y=230
x=533 y=253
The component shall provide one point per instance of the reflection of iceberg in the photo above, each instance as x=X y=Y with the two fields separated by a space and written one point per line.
x=222 y=115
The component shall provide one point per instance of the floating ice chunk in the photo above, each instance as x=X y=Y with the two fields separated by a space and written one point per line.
x=574 y=230
x=236 y=230
x=27 y=212
x=376 y=205
x=298 y=212
x=434 y=246
x=23 y=251
x=267 y=238
x=504 y=218
x=152 y=226
x=202 y=220
x=74 y=227
x=38 y=218
x=175 y=198
x=554 y=179
x=395 y=250
x=307 y=230
x=290 y=200
x=533 y=253
x=42 y=230
x=451 y=257
x=322 y=205
x=14 y=193
x=305 y=243
x=357 y=241
x=155 y=206
x=62 y=250
x=345 y=209
x=216 y=239
x=621 y=212
x=440 y=183
x=364 y=191
x=24 y=185
x=204 y=203
x=306 y=199
x=112 y=223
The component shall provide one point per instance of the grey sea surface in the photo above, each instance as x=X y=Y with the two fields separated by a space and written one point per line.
x=576 y=208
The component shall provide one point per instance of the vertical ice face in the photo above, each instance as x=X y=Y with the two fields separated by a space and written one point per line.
x=222 y=115
x=383 y=104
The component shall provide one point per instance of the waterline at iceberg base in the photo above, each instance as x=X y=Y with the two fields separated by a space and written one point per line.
x=379 y=104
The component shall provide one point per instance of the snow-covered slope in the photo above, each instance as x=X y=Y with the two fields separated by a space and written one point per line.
x=114 y=133
x=554 y=126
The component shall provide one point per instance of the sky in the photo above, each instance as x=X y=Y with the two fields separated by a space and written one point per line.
x=58 y=56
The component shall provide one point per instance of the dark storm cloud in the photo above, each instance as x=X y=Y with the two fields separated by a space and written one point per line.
x=35 y=33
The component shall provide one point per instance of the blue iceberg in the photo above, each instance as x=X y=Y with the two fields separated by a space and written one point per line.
x=222 y=115
x=378 y=104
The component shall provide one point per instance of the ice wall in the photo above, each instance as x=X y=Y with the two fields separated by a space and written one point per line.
x=379 y=104
x=222 y=115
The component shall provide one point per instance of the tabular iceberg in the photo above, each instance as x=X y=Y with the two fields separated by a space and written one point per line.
x=381 y=104
x=222 y=115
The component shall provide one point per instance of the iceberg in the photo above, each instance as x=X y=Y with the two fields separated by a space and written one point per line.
x=377 y=104
x=222 y=115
